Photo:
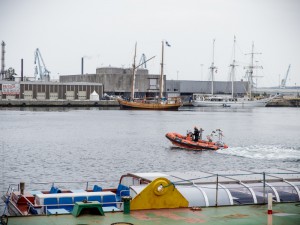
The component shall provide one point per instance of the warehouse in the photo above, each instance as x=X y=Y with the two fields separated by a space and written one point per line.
x=117 y=81
x=48 y=90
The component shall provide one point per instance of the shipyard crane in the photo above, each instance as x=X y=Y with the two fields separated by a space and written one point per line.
x=283 y=81
x=143 y=61
x=41 y=73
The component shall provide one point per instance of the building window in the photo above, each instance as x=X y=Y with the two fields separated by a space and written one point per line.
x=153 y=84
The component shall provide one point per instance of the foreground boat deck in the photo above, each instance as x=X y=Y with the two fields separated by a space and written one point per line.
x=283 y=213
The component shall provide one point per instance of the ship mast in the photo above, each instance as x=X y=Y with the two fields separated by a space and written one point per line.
x=250 y=70
x=133 y=75
x=212 y=68
x=161 y=81
x=233 y=67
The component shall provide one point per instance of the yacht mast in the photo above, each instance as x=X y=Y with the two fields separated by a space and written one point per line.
x=133 y=75
x=212 y=68
x=161 y=83
x=233 y=67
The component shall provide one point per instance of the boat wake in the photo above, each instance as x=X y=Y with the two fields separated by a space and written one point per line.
x=267 y=152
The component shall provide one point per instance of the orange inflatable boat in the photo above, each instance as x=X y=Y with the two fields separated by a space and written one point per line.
x=187 y=142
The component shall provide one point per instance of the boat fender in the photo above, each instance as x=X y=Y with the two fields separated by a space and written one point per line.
x=160 y=187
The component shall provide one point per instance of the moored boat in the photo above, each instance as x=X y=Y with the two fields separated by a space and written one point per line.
x=168 y=104
x=187 y=142
x=201 y=100
x=159 y=103
x=233 y=100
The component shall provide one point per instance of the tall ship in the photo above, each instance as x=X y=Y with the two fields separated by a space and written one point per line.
x=159 y=103
x=248 y=100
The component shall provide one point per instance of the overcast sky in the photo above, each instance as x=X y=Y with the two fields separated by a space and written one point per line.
x=104 y=32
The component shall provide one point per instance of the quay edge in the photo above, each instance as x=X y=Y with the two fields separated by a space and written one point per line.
x=278 y=102
x=58 y=103
x=285 y=101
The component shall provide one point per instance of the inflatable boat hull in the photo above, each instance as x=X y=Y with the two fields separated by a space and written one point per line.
x=184 y=142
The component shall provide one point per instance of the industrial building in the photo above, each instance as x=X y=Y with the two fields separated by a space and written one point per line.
x=48 y=90
x=188 y=88
x=117 y=81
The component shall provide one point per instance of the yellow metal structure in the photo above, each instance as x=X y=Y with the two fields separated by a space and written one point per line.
x=159 y=194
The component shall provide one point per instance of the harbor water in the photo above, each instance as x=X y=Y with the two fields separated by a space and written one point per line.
x=68 y=144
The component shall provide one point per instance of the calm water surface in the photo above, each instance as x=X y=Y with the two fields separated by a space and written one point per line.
x=40 y=145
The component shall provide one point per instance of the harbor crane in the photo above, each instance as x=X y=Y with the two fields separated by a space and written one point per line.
x=41 y=72
x=283 y=81
x=143 y=61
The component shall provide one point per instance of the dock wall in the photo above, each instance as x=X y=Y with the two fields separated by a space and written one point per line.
x=57 y=103
x=282 y=102
x=285 y=101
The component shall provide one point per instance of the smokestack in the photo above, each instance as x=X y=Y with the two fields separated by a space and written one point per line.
x=21 y=69
x=3 y=57
x=82 y=65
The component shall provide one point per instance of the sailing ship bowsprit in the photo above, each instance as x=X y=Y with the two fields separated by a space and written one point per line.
x=158 y=103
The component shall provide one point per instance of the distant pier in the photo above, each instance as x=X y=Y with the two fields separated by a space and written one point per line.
x=285 y=101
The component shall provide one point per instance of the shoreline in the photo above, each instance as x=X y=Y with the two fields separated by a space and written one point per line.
x=282 y=102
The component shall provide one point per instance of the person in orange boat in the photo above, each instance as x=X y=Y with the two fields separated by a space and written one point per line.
x=200 y=133
x=196 y=134
x=210 y=137
x=189 y=136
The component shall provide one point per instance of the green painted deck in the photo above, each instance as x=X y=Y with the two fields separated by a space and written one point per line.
x=283 y=214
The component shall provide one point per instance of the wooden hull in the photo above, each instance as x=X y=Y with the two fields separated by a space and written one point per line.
x=149 y=106
x=182 y=142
